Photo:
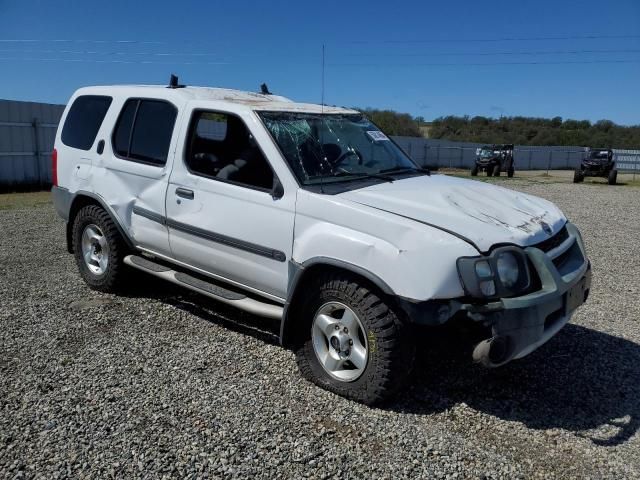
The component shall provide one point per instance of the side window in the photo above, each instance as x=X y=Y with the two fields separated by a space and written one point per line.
x=144 y=129
x=221 y=147
x=83 y=121
x=212 y=126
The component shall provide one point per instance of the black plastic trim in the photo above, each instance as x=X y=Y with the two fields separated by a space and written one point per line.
x=212 y=236
x=228 y=241
x=296 y=272
x=470 y=280
x=148 y=214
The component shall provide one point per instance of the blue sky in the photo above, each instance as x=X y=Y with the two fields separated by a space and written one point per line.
x=575 y=59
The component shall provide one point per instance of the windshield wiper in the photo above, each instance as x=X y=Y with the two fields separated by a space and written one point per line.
x=406 y=169
x=380 y=176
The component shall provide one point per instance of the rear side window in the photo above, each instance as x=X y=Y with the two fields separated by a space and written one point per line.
x=83 y=121
x=144 y=129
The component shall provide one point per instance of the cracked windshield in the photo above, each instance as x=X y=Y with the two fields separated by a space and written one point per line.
x=323 y=148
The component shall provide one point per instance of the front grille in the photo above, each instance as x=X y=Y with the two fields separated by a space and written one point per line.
x=553 y=242
x=570 y=260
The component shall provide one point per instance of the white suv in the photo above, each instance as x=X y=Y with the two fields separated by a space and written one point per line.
x=311 y=215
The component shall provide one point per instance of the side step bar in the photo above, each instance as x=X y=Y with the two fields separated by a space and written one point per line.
x=211 y=290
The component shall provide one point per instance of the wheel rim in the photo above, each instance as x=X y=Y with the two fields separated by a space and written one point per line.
x=340 y=342
x=95 y=249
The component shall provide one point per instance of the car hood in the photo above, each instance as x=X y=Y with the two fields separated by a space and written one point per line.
x=481 y=213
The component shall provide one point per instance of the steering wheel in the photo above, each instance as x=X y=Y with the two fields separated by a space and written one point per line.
x=347 y=154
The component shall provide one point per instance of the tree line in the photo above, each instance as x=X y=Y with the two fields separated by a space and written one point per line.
x=536 y=131
x=517 y=130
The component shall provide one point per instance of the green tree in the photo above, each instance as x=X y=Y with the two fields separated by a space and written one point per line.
x=394 y=123
x=536 y=131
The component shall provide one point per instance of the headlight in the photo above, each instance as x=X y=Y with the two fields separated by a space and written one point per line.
x=508 y=269
x=503 y=273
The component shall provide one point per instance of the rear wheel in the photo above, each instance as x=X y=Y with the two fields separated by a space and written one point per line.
x=613 y=176
x=354 y=344
x=578 y=176
x=98 y=248
x=510 y=172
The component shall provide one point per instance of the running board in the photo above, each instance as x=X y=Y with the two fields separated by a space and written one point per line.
x=211 y=290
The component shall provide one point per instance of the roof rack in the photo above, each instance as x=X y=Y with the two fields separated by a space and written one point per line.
x=173 y=82
x=264 y=90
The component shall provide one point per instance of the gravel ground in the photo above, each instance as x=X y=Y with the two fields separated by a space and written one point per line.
x=165 y=383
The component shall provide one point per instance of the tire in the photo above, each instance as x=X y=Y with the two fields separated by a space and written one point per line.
x=510 y=172
x=474 y=171
x=382 y=336
x=496 y=170
x=489 y=171
x=96 y=236
x=577 y=176
x=613 y=176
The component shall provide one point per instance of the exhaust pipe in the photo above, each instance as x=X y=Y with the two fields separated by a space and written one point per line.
x=492 y=352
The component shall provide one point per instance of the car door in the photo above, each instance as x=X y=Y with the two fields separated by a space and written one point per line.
x=136 y=166
x=227 y=220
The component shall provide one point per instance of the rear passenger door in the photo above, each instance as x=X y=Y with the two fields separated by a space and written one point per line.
x=137 y=171
x=224 y=216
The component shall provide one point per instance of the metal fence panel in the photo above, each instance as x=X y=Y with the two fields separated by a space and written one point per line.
x=436 y=153
x=27 y=134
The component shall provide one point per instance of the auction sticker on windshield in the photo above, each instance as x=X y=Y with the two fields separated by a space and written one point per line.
x=377 y=135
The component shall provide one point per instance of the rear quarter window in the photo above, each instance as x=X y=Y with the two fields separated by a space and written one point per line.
x=84 y=120
x=143 y=131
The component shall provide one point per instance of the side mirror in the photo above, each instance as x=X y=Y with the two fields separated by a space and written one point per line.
x=277 y=191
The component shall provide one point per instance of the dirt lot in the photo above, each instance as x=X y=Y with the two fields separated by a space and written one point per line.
x=162 y=382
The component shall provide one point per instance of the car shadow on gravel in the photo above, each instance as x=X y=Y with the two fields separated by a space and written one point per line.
x=583 y=381
x=147 y=286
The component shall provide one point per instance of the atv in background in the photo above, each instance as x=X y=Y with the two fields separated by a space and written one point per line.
x=494 y=159
x=597 y=162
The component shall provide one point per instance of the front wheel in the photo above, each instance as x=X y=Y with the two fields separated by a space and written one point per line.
x=613 y=177
x=496 y=170
x=578 y=176
x=355 y=344
x=474 y=171
x=98 y=249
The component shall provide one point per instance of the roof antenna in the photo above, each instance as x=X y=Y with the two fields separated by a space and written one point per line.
x=322 y=88
x=264 y=90
x=173 y=82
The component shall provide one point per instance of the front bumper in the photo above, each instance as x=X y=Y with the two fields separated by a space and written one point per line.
x=522 y=324
x=487 y=163
x=595 y=168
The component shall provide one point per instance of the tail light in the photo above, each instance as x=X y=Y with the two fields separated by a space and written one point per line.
x=54 y=167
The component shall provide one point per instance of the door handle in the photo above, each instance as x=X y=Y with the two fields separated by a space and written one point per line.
x=184 y=193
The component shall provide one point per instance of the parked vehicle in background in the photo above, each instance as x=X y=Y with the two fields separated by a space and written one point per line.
x=310 y=215
x=494 y=159
x=597 y=162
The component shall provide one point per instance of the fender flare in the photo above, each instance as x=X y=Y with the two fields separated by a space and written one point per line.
x=297 y=273
x=98 y=199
